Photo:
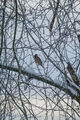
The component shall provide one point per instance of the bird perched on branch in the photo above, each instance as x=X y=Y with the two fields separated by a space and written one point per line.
x=38 y=60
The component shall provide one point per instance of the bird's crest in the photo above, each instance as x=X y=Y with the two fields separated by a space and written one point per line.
x=35 y=55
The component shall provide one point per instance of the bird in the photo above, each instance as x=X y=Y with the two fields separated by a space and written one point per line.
x=38 y=60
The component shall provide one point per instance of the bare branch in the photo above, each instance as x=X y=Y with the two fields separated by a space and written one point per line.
x=43 y=79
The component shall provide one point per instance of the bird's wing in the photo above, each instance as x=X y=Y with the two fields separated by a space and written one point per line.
x=40 y=60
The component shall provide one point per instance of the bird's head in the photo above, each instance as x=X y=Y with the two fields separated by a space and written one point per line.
x=35 y=55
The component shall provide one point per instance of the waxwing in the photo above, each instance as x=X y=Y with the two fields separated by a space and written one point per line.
x=38 y=60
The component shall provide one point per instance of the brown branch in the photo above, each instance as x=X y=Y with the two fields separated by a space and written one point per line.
x=55 y=13
x=52 y=22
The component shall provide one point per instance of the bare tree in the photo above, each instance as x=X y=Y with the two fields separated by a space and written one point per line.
x=50 y=29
